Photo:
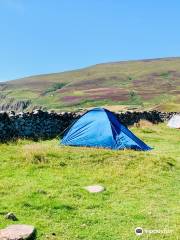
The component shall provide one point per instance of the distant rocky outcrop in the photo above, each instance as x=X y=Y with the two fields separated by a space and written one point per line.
x=11 y=104
x=40 y=124
x=15 y=105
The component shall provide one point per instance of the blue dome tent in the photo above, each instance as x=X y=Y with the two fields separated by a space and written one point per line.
x=100 y=128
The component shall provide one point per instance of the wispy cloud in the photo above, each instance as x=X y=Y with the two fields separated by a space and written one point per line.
x=17 y=5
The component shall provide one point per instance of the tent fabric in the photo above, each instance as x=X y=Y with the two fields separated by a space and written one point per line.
x=174 y=122
x=100 y=128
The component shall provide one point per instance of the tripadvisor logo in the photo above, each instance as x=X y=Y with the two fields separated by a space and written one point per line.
x=138 y=231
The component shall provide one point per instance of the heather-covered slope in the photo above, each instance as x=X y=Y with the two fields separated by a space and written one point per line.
x=145 y=84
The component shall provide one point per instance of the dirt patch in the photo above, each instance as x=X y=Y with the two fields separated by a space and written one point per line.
x=70 y=99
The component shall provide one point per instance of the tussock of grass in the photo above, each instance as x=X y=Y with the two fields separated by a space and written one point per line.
x=144 y=124
x=41 y=153
x=35 y=153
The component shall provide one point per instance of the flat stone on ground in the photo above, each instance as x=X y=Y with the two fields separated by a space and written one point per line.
x=17 y=232
x=94 y=188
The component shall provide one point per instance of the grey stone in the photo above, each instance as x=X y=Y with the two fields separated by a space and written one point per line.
x=95 y=188
x=11 y=216
x=18 y=232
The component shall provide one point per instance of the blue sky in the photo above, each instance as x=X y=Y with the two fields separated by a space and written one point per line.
x=44 y=36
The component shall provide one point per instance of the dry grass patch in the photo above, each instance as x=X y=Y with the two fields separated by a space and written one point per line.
x=143 y=124
x=36 y=153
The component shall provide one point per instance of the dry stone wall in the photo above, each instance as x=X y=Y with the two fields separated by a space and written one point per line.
x=40 y=124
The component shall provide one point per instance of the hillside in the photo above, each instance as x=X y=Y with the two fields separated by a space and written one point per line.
x=145 y=84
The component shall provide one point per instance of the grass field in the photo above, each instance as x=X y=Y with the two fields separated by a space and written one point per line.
x=42 y=183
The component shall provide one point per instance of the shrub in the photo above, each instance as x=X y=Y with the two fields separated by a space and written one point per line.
x=54 y=87
x=134 y=98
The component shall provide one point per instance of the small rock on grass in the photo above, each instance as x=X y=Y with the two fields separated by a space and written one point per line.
x=11 y=216
x=95 y=188
x=18 y=232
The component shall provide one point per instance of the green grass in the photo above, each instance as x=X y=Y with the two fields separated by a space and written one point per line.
x=42 y=183
x=22 y=94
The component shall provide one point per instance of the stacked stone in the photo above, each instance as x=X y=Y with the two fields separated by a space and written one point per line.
x=7 y=130
x=129 y=118
x=40 y=124
x=34 y=125
x=165 y=116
